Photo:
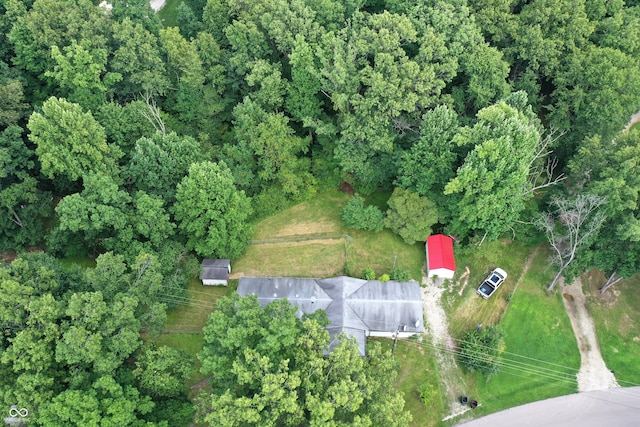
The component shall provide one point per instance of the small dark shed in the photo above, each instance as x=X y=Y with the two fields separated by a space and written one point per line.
x=215 y=271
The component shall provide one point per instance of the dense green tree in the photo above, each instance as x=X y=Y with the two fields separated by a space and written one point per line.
x=159 y=162
x=595 y=93
x=105 y=403
x=356 y=215
x=430 y=163
x=162 y=371
x=410 y=215
x=81 y=74
x=70 y=142
x=480 y=70
x=547 y=30
x=303 y=100
x=23 y=210
x=188 y=76
x=617 y=28
x=481 y=350
x=138 y=11
x=182 y=58
x=490 y=188
x=607 y=168
x=23 y=207
x=63 y=353
x=187 y=21
x=124 y=125
x=55 y=23
x=271 y=369
x=377 y=88
x=97 y=340
x=216 y=16
x=12 y=105
x=211 y=212
x=100 y=213
x=270 y=151
x=137 y=58
x=151 y=221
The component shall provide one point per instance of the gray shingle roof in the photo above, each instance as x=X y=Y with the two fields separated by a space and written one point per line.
x=354 y=306
x=217 y=269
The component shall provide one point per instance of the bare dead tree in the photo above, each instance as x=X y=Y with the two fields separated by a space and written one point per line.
x=612 y=280
x=542 y=167
x=402 y=126
x=575 y=222
x=153 y=115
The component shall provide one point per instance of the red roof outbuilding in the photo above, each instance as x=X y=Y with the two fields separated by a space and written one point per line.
x=440 y=259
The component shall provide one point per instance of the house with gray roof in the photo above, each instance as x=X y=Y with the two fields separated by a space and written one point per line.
x=358 y=308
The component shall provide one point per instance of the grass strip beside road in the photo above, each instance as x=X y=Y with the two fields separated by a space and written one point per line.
x=617 y=318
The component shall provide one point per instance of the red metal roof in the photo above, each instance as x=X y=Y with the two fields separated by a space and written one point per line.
x=440 y=252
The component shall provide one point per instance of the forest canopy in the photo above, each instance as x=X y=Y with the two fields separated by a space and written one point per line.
x=144 y=146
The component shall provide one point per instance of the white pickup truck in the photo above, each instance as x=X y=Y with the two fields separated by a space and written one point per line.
x=492 y=283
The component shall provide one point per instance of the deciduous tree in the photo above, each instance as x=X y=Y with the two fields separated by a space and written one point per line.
x=81 y=74
x=410 y=215
x=490 y=188
x=571 y=228
x=23 y=207
x=159 y=162
x=270 y=369
x=356 y=215
x=431 y=161
x=162 y=371
x=71 y=142
x=211 y=212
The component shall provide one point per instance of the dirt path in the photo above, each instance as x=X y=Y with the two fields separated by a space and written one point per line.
x=635 y=119
x=593 y=374
x=157 y=4
x=438 y=331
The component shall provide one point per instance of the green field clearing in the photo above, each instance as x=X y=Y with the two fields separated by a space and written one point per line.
x=617 y=318
x=541 y=358
x=464 y=307
x=326 y=254
x=169 y=13
x=534 y=321
x=417 y=366
x=193 y=310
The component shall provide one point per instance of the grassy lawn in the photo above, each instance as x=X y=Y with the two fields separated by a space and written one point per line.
x=617 y=320
x=193 y=310
x=417 y=367
x=464 y=307
x=535 y=323
x=329 y=254
x=541 y=357
x=169 y=13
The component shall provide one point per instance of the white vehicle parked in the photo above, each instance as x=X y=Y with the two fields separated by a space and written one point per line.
x=492 y=283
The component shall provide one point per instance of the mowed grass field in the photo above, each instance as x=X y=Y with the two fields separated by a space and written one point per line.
x=541 y=357
x=416 y=368
x=617 y=318
x=314 y=243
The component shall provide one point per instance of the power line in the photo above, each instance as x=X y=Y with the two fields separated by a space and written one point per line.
x=544 y=373
x=521 y=367
x=538 y=368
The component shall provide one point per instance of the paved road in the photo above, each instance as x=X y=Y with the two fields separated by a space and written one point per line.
x=619 y=407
